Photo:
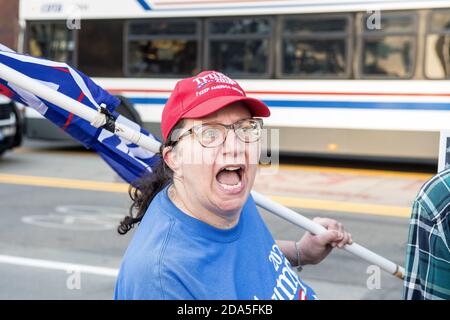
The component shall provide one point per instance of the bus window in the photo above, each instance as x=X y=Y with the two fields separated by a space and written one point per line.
x=239 y=46
x=388 y=50
x=100 y=48
x=51 y=40
x=437 y=53
x=163 y=48
x=315 y=46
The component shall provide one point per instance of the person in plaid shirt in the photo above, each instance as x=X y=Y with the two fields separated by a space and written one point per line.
x=428 y=255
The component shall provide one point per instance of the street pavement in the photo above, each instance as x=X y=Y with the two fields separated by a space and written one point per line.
x=60 y=206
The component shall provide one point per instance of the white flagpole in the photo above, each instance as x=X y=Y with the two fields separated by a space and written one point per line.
x=146 y=142
x=317 y=229
x=75 y=107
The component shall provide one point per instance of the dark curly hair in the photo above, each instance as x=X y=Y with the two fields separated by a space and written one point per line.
x=146 y=188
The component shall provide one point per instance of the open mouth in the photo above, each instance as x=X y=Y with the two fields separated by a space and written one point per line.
x=230 y=177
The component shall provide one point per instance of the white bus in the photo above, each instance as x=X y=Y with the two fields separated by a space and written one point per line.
x=343 y=78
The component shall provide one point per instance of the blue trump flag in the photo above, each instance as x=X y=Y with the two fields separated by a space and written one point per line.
x=129 y=160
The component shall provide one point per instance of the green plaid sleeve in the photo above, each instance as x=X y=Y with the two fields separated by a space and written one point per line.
x=428 y=254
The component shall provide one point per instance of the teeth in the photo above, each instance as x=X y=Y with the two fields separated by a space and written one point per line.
x=232 y=168
x=231 y=187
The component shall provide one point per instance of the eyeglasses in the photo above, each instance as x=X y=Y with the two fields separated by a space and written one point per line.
x=212 y=135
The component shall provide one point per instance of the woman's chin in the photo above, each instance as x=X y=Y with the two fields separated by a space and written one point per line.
x=228 y=203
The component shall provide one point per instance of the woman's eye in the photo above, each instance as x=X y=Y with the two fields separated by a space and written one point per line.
x=210 y=134
x=249 y=129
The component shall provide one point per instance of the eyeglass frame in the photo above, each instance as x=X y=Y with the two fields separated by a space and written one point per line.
x=172 y=143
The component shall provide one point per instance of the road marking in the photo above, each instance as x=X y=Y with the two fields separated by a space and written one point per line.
x=293 y=202
x=346 y=207
x=57 y=265
x=84 y=153
x=78 y=217
x=364 y=172
x=309 y=168
x=63 y=183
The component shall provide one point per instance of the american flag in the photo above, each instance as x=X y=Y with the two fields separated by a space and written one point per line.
x=129 y=160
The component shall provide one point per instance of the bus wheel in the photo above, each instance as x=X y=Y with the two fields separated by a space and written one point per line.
x=127 y=110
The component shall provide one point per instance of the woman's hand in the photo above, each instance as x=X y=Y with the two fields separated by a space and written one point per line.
x=313 y=249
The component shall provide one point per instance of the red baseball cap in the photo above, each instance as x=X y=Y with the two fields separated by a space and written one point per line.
x=203 y=94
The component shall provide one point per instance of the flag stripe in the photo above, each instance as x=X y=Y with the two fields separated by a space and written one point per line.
x=70 y=117
x=62 y=69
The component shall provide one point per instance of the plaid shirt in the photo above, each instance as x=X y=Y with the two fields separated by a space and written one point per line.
x=428 y=254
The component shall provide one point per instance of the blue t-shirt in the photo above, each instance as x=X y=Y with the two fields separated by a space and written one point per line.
x=175 y=256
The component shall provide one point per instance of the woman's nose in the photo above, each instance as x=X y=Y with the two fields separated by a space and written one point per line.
x=232 y=144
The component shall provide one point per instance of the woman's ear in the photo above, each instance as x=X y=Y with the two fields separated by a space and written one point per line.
x=171 y=158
